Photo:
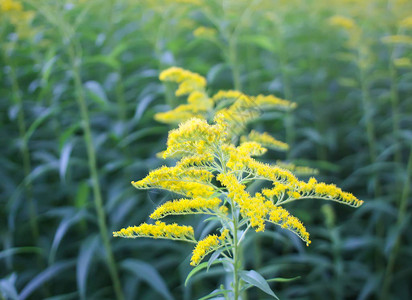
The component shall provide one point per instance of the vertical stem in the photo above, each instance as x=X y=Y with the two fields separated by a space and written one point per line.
x=236 y=261
x=395 y=111
x=24 y=151
x=370 y=128
x=403 y=203
x=98 y=202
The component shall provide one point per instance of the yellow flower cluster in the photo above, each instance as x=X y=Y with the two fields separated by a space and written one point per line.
x=406 y=23
x=198 y=106
x=403 y=62
x=235 y=107
x=204 y=32
x=186 y=206
x=10 y=5
x=229 y=95
x=301 y=170
x=259 y=210
x=177 y=115
x=195 y=136
x=252 y=208
x=14 y=12
x=273 y=173
x=185 y=181
x=206 y=246
x=195 y=160
x=313 y=189
x=271 y=102
x=206 y=151
x=343 y=22
x=247 y=149
x=159 y=230
x=265 y=140
x=282 y=217
x=397 y=39
x=188 y=81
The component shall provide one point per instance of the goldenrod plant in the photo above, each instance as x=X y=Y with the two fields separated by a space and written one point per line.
x=212 y=173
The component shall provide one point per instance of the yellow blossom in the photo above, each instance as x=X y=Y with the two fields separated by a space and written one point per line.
x=204 y=32
x=159 y=230
x=402 y=62
x=186 y=206
x=207 y=245
x=265 y=140
x=10 y=5
x=407 y=22
x=302 y=170
x=272 y=102
x=343 y=22
x=397 y=39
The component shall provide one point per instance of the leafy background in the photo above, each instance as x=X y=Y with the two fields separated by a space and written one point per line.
x=79 y=88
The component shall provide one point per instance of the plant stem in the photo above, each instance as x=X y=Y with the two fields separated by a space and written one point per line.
x=24 y=151
x=403 y=203
x=98 y=202
x=236 y=261
x=370 y=128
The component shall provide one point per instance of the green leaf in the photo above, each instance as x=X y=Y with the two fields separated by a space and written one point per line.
x=86 y=254
x=61 y=231
x=213 y=257
x=215 y=293
x=254 y=278
x=51 y=272
x=43 y=116
x=147 y=273
x=12 y=251
x=96 y=92
x=199 y=268
x=64 y=159
x=280 y=279
x=82 y=195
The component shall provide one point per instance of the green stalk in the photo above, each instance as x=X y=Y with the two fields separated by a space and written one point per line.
x=403 y=203
x=24 y=151
x=370 y=128
x=236 y=260
x=91 y=154
x=370 y=132
x=395 y=111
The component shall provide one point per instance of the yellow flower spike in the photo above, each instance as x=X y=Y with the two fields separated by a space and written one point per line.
x=204 y=32
x=342 y=22
x=180 y=114
x=207 y=245
x=272 y=102
x=179 y=75
x=406 y=23
x=280 y=216
x=228 y=95
x=251 y=149
x=206 y=152
x=397 y=39
x=10 y=5
x=265 y=140
x=403 y=62
x=186 y=206
x=185 y=181
x=301 y=170
x=159 y=230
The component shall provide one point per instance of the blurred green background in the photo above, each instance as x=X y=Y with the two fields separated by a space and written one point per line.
x=78 y=90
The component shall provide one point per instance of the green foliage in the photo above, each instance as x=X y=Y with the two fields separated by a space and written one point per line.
x=352 y=123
